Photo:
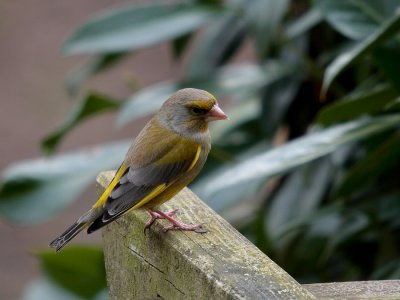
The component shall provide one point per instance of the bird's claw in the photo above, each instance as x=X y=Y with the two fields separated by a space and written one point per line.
x=198 y=228
x=154 y=215
x=175 y=225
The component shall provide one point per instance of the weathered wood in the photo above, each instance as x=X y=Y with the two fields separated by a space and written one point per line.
x=221 y=264
x=366 y=290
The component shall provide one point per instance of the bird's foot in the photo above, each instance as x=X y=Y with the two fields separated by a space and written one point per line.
x=154 y=215
x=175 y=224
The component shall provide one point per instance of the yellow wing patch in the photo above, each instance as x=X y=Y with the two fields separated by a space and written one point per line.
x=154 y=193
x=110 y=187
x=196 y=158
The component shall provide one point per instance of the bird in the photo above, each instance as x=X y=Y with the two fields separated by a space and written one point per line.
x=166 y=156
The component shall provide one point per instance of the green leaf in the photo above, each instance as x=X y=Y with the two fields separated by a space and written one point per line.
x=386 y=31
x=133 y=27
x=78 y=269
x=388 y=59
x=354 y=106
x=265 y=17
x=356 y=19
x=302 y=192
x=372 y=166
x=216 y=45
x=77 y=76
x=241 y=80
x=145 y=102
x=90 y=105
x=179 y=45
x=241 y=179
x=35 y=190
x=304 y=23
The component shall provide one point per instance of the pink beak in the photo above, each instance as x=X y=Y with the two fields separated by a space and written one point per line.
x=216 y=114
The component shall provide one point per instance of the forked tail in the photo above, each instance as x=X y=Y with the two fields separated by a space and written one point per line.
x=68 y=235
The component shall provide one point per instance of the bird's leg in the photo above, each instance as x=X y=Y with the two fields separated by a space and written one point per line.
x=176 y=225
x=154 y=215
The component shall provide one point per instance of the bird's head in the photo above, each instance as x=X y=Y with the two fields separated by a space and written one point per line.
x=189 y=111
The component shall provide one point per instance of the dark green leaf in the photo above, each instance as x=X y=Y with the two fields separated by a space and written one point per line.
x=216 y=45
x=302 y=193
x=77 y=269
x=386 y=31
x=77 y=76
x=390 y=270
x=265 y=17
x=356 y=19
x=133 y=27
x=246 y=176
x=179 y=45
x=34 y=191
x=351 y=107
x=90 y=105
x=370 y=168
x=388 y=59
x=303 y=24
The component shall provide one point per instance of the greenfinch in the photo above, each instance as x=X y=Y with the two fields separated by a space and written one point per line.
x=166 y=156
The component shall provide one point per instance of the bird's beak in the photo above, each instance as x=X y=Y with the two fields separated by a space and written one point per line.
x=216 y=114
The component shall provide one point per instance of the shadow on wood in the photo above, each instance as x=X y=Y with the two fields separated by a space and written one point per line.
x=221 y=264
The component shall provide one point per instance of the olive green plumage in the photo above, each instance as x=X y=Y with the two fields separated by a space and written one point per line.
x=166 y=156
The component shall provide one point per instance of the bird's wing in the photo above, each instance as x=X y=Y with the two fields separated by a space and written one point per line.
x=133 y=187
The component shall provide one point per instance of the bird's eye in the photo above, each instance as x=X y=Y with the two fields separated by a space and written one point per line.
x=196 y=111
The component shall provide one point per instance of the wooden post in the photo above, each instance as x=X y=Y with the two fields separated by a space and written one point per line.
x=361 y=290
x=221 y=264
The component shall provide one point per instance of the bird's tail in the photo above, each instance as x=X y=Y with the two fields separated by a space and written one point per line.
x=68 y=235
x=84 y=221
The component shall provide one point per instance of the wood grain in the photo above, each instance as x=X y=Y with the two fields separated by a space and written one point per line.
x=221 y=264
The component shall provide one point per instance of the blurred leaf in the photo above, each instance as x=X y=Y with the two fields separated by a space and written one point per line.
x=77 y=269
x=145 y=102
x=180 y=44
x=44 y=289
x=77 y=76
x=237 y=181
x=133 y=27
x=90 y=105
x=368 y=169
x=353 y=106
x=356 y=19
x=387 y=30
x=298 y=198
x=390 y=270
x=33 y=191
x=216 y=45
x=223 y=132
x=277 y=98
x=350 y=226
x=388 y=59
x=265 y=17
x=303 y=24
x=241 y=80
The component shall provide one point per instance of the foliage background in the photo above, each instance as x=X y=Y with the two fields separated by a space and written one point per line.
x=323 y=77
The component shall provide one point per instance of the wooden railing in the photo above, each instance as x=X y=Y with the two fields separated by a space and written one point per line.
x=221 y=264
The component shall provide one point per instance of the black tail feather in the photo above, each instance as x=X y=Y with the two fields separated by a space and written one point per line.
x=68 y=235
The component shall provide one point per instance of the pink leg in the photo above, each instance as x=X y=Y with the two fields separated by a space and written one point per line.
x=154 y=215
x=175 y=225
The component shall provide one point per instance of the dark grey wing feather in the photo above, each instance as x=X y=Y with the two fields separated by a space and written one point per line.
x=136 y=184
